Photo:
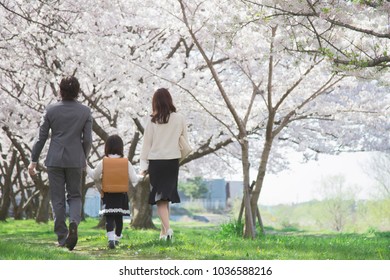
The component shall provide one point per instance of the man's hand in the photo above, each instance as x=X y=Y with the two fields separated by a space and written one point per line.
x=31 y=168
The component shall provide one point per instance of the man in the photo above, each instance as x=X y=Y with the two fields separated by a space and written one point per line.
x=70 y=124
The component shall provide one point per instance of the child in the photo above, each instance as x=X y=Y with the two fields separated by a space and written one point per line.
x=115 y=205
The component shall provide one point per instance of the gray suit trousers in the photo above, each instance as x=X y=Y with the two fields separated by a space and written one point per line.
x=65 y=182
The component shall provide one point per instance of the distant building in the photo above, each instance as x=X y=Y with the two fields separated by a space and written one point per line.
x=220 y=195
x=92 y=203
x=217 y=196
x=235 y=189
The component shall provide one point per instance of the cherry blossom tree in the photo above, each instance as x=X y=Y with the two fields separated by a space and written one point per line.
x=252 y=83
x=293 y=104
x=353 y=34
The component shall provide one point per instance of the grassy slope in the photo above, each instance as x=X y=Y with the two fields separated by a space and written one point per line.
x=27 y=240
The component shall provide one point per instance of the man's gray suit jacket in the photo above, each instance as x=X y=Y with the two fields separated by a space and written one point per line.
x=70 y=123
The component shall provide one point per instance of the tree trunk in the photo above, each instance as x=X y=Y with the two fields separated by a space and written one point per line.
x=140 y=207
x=242 y=203
x=17 y=206
x=260 y=179
x=260 y=220
x=241 y=211
x=249 y=228
x=6 y=202
x=102 y=222
x=31 y=204
x=268 y=135
x=43 y=210
x=7 y=185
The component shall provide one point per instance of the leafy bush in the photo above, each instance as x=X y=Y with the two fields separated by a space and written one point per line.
x=231 y=229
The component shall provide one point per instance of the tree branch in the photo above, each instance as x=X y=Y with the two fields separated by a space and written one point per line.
x=29 y=19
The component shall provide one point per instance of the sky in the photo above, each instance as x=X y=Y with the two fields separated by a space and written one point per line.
x=300 y=183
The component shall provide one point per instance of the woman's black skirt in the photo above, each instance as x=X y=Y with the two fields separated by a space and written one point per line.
x=163 y=176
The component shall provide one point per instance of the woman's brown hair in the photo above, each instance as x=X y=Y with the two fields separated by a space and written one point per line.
x=162 y=106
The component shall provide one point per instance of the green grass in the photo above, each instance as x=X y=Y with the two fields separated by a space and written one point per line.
x=27 y=240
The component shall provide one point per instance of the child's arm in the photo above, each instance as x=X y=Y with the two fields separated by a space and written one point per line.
x=133 y=175
x=95 y=173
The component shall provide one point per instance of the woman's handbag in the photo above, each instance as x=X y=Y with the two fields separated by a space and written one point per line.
x=115 y=177
x=185 y=148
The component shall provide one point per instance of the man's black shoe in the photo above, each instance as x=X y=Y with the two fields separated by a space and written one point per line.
x=71 y=239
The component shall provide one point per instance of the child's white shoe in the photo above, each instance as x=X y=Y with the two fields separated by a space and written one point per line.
x=117 y=238
x=169 y=234
x=111 y=239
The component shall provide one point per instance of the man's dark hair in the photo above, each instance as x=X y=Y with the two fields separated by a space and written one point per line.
x=69 y=88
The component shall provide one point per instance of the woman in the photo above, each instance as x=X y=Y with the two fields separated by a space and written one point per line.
x=160 y=156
